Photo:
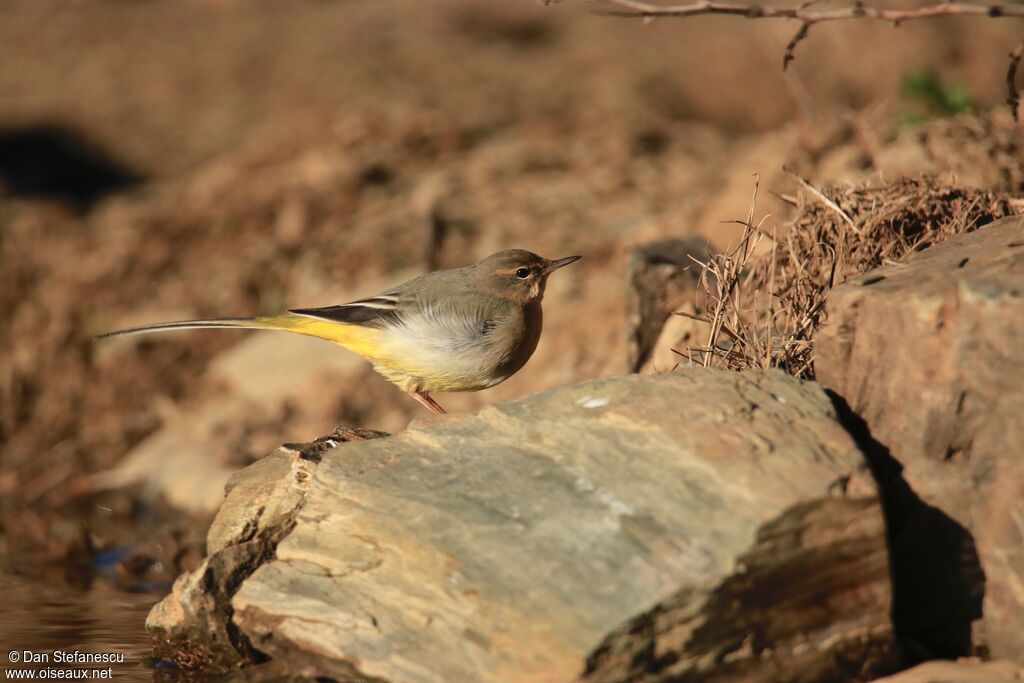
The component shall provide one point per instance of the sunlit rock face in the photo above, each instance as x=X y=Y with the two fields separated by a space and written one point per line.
x=509 y=544
x=930 y=354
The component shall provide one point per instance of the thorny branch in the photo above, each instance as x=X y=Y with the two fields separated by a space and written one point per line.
x=649 y=11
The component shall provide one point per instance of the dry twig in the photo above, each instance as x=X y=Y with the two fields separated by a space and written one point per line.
x=822 y=198
x=1013 y=98
x=649 y=11
x=803 y=13
x=771 y=307
x=722 y=281
x=800 y=34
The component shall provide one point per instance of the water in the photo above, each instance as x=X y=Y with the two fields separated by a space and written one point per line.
x=46 y=616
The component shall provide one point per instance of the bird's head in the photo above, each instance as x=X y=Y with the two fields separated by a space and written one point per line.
x=517 y=274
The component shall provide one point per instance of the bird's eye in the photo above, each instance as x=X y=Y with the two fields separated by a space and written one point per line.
x=522 y=273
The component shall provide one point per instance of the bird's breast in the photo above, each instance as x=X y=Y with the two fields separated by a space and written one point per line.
x=522 y=339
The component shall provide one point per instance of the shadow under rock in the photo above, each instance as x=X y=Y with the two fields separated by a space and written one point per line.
x=50 y=162
x=938 y=584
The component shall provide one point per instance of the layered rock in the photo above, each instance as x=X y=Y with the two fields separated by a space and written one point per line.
x=507 y=545
x=193 y=624
x=931 y=354
x=804 y=600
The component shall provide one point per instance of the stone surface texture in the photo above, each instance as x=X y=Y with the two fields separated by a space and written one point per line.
x=193 y=624
x=803 y=605
x=931 y=354
x=505 y=546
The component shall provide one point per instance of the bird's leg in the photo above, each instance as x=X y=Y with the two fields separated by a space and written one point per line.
x=424 y=398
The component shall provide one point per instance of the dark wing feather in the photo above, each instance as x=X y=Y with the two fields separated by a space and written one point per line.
x=376 y=311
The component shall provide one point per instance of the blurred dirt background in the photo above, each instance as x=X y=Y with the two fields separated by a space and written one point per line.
x=170 y=159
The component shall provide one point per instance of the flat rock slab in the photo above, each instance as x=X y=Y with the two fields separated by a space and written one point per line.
x=931 y=354
x=505 y=546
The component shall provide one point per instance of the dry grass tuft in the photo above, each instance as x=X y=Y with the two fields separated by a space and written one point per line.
x=763 y=312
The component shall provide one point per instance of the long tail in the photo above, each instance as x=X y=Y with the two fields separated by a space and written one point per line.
x=255 y=323
x=355 y=337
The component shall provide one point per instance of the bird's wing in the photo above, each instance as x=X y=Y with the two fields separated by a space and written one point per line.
x=374 y=311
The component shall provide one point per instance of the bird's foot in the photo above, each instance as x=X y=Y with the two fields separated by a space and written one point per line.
x=424 y=398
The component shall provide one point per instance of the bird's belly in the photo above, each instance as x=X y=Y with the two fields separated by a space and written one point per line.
x=432 y=362
x=426 y=369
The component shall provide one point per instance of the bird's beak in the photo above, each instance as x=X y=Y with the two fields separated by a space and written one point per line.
x=558 y=263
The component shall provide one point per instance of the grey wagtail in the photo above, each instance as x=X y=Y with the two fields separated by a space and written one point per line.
x=463 y=329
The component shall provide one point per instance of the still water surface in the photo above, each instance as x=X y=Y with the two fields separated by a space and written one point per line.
x=43 y=616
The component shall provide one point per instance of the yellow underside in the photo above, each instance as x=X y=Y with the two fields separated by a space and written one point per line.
x=368 y=343
x=362 y=340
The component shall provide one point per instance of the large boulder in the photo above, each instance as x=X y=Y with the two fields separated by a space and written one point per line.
x=930 y=353
x=506 y=546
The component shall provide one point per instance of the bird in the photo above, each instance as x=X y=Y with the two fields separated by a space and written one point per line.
x=459 y=329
